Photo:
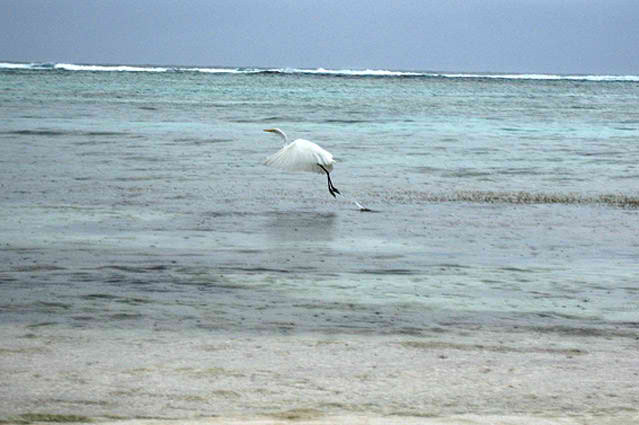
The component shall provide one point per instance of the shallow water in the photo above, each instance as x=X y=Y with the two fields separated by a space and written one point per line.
x=136 y=202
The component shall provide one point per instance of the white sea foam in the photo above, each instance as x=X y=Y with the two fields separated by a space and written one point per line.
x=4 y=65
x=33 y=65
x=540 y=77
x=106 y=68
x=310 y=71
x=211 y=70
x=357 y=73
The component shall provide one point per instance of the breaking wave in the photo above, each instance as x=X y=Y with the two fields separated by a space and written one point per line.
x=48 y=66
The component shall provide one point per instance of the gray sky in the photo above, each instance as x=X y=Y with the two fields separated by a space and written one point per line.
x=549 y=36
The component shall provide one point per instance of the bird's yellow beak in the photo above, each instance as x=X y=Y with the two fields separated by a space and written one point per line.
x=270 y=130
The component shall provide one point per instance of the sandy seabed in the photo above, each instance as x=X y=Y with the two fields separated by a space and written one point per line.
x=405 y=420
x=54 y=374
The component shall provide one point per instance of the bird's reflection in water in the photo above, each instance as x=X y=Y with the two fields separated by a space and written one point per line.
x=302 y=226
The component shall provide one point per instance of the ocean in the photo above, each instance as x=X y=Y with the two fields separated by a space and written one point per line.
x=153 y=268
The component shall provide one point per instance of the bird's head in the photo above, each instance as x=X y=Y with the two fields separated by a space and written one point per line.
x=278 y=132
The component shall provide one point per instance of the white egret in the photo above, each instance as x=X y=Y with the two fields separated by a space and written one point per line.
x=302 y=155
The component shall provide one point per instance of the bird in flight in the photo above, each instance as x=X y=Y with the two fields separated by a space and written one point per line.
x=302 y=155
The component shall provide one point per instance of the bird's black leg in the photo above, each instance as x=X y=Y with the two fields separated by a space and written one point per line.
x=331 y=189
x=331 y=183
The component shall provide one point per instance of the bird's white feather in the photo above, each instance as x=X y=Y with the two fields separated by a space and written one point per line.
x=301 y=155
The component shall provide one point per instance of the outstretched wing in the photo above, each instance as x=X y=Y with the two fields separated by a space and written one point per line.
x=301 y=155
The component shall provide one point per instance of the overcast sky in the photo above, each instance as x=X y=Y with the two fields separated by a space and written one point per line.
x=549 y=36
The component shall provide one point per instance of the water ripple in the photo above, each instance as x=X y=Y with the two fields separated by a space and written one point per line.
x=519 y=197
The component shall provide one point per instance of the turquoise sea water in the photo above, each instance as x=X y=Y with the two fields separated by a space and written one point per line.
x=494 y=196
x=135 y=198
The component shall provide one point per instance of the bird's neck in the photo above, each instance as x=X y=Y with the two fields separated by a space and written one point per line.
x=283 y=136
